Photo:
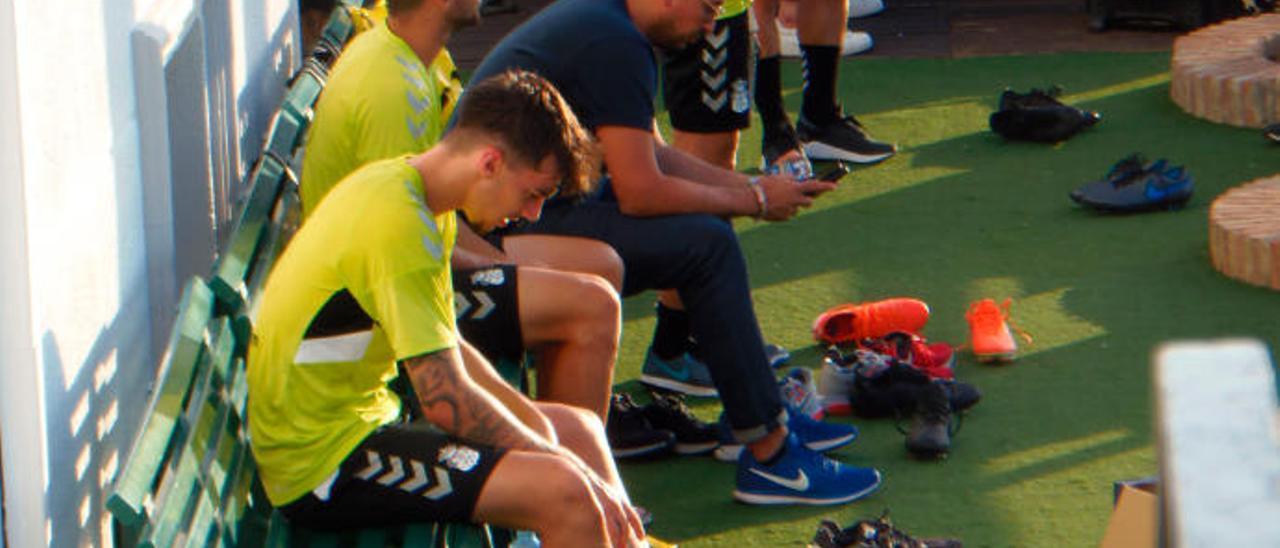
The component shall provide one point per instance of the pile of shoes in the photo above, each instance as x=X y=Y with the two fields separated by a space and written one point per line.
x=889 y=370
x=1132 y=185
x=1039 y=116
x=876 y=533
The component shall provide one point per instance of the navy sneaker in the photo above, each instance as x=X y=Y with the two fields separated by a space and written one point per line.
x=814 y=435
x=683 y=373
x=842 y=139
x=1131 y=186
x=802 y=476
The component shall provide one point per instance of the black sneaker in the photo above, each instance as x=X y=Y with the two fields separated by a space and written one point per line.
x=630 y=434
x=930 y=435
x=693 y=437
x=1272 y=133
x=1035 y=98
x=877 y=533
x=962 y=395
x=841 y=139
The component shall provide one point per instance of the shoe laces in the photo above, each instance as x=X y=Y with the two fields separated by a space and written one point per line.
x=986 y=315
x=675 y=408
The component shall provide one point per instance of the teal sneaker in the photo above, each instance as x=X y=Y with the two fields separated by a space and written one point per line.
x=683 y=373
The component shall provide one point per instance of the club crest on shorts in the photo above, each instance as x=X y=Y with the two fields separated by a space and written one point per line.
x=458 y=457
x=491 y=277
x=741 y=96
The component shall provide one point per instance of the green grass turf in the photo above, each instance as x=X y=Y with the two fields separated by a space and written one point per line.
x=957 y=215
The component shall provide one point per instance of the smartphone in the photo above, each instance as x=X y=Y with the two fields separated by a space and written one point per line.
x=834 y=173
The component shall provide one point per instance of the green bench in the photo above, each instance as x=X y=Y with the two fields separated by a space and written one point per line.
x=189 y=478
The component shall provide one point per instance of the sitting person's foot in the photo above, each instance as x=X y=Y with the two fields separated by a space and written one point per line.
x=841 y=139
x=683 y=373
x=813 y=434
x=798 y=475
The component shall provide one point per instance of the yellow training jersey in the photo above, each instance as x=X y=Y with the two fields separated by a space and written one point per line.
x=363 y=284
x=380 y=101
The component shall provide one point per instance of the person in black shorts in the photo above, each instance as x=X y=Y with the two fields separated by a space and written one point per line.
x=364 y=285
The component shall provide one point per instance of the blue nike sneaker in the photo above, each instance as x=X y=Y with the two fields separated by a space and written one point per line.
x=1132 y=185
x=802 y=476
x=683 y=373
x=814 y=435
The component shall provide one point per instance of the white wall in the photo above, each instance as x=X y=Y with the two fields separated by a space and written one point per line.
x=80 y=317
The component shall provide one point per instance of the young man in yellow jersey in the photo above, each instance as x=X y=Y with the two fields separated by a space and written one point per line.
x=390 y=93
x=364 y=284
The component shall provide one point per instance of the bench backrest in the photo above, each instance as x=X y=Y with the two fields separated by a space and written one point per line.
x=189 y=477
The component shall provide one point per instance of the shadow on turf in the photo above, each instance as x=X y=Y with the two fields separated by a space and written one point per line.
x=1073 y=414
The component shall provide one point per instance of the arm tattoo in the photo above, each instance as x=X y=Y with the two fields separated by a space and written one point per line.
x=462 y=408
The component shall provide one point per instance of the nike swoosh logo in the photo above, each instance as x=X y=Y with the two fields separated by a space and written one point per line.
x=1157 y=193
x=799 y=483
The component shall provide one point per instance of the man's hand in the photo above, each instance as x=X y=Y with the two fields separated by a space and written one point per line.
x=785 y=196
x=621 y=520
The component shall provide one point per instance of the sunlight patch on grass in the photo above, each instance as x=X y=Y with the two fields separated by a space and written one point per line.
x=1013 y=462
x=1029 y=506
x=1045 y=317
x=1117 y=89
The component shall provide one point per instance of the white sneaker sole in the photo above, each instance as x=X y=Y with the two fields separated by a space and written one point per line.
x=817 y=150
x=752 y=498
x=677 y=386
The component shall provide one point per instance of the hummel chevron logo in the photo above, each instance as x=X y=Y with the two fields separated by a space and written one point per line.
x=418 y=104
x=714 y=61
x=407 y=63
x=714 y=103
x=417 y=129
x=714 y=82
x=799 y=483
x=717 y=39
x=396 y=473
x=483 y=304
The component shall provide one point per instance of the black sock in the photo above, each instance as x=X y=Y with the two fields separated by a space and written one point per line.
x=821 y=64
x=768 y=92
x=671 y=335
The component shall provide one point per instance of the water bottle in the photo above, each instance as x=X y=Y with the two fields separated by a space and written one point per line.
x=798 y=167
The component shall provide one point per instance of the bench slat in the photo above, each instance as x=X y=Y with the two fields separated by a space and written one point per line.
x=134 y=486
x=228 y=282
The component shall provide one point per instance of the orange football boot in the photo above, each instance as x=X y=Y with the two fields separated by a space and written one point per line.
x=989 y=334
x=848 y=323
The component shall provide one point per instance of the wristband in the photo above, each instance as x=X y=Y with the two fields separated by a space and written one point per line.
x=762 y=203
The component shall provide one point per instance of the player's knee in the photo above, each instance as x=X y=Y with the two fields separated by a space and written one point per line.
x=601 y=320
x=566 y=488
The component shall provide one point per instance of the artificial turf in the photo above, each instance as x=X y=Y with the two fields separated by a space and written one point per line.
x=960 y=214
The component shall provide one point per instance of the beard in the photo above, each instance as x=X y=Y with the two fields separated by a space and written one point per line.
x=667 y=38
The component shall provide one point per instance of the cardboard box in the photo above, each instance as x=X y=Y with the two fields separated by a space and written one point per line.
x=1136 y=517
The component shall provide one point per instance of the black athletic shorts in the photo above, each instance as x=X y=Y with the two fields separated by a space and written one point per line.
x=706 y=86
x=486 y=303
x=402 y=473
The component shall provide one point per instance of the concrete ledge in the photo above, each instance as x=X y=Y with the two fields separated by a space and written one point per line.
x=1219 y=444
x=1228 y=72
